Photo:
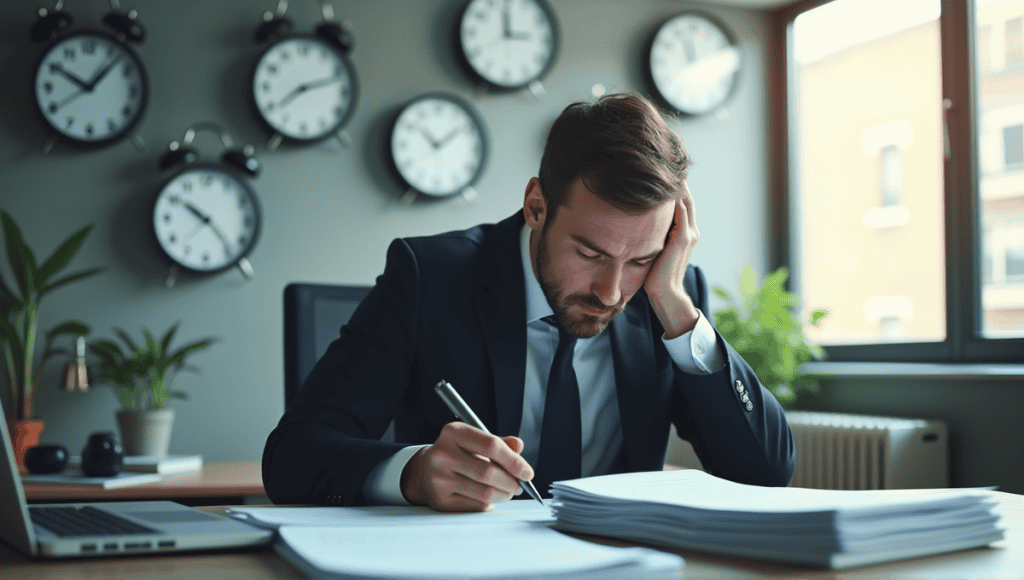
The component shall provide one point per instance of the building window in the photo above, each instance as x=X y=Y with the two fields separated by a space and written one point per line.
x=1014 y=41
x=1013 y=146
x=892 y=175
x=845 y=73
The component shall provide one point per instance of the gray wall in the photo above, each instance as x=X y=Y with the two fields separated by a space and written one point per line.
x=329 y=212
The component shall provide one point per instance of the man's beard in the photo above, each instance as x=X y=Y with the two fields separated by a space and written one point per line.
x=583 y=325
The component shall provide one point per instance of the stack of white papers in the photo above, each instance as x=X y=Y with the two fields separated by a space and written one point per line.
x=513 y=540
x=833 y=529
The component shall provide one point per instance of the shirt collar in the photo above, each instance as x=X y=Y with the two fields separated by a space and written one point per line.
x=537 y=306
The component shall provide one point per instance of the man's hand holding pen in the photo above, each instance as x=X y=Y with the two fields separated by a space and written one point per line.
x=466 y=469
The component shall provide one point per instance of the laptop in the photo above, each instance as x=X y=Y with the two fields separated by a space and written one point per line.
x=109 y=528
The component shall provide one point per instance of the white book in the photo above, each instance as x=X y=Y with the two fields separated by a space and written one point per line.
x=167 y=465
x=693 y=510
x=122 y=479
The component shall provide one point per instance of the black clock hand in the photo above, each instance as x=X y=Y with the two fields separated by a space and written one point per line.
x=223 y=239
x=448 y=137
x=102 y=73
x=67 y=100
x=688 y=49
x=213 y=226
x=73 y=78
x=429 y=137
x=195 y=211
x=506 y=21
x=305 y=87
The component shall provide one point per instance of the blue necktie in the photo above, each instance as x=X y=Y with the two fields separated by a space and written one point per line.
x=561 y=432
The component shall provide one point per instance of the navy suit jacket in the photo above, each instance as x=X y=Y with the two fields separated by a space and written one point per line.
x=453 y=307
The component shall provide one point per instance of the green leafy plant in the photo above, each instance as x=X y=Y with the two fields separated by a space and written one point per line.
x=143 y=371
x=19 y=311
x=763 y=328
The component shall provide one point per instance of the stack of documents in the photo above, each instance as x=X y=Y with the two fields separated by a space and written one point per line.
x=513 y=540
x=833 y=529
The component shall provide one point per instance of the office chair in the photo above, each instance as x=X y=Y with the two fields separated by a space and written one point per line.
x=313 y=316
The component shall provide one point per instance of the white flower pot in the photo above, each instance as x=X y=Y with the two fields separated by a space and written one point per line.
x=146 y=432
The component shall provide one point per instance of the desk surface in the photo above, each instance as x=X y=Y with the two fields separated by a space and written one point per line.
x=1004 y=560
x=218 y=479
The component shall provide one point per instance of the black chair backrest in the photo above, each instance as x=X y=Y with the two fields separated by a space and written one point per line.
x=313 y=317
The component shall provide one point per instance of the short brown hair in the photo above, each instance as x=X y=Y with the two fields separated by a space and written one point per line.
x=621 y=147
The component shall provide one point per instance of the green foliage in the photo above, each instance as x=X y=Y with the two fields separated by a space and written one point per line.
x=19 y=309
x=143 y=371
x=766 y=333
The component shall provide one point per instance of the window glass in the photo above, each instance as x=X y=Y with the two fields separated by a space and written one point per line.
x=867 y=155
x=999 y=85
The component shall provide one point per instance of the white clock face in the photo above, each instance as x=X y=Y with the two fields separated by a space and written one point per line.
x=303 y=88
x=508 y=42
x=90 y=88
x=206 y=219
x=438 y=145
x=693 y=63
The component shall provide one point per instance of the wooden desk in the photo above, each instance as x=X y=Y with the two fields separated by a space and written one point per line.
x=219 y=483
x=1005 y=560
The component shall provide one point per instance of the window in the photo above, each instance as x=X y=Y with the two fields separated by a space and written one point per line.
x=1013 y=146
x=900 y=207
x=1014 y=41
x=892 y=175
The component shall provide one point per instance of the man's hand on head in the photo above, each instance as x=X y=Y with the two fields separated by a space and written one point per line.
x=664 y=284
x=465 y=470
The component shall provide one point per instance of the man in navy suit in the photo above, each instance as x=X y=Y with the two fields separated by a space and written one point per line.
x=589 y=286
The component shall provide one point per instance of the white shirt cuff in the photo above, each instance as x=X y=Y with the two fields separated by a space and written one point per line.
x=384 y=484
x=697 y=352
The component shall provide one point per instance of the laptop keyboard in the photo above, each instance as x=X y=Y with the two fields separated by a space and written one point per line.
x=84 y=521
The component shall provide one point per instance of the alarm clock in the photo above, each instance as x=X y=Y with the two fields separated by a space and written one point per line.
x=303 y=86
x=89 y=87
x=694 y=63
x=438 y=145
x=509 y=44
x=206 y=217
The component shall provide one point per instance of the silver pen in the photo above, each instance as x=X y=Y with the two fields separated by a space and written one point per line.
x=451 y=397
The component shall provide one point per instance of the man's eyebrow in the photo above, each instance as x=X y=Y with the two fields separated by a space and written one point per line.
x=595 y=248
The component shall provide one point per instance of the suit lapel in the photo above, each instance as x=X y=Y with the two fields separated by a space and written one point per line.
x=633 y=353
x=501 y=311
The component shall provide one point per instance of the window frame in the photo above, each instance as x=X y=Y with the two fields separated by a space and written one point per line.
x=964 y=341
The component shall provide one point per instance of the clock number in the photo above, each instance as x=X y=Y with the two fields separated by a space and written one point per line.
x=69 y=53
x=186 y=186
x=89 y=46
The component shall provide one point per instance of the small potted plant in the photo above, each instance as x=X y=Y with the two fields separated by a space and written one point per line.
x=764 y=329
x=142 y=372
x=19 y=324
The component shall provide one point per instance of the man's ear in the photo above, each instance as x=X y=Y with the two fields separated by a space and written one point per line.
x=534 y=205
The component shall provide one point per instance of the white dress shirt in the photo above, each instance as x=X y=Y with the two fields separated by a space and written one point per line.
x=695 y=352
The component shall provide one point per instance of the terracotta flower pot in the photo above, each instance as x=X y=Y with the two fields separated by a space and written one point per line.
x=24 y=434
x=146 y=432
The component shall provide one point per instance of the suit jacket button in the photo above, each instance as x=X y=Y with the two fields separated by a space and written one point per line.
x=744 y=398
x=750 y=406
x=739 y=386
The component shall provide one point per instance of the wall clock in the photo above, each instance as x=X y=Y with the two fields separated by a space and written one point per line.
x=694 y=63
x=509 y=44
x=303 y=87
x=206 y=217
x=438 y=146
x=89 y=87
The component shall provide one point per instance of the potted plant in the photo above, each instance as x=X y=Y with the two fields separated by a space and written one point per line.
x=19 y=324
x=142 y=372
x=764 y=329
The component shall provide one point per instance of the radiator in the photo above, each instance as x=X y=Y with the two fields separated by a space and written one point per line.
x=836 y=451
